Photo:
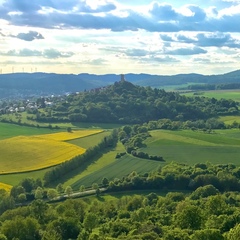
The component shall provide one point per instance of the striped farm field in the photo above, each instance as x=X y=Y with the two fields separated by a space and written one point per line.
x=31 y=153
x=218 y=94
x=118 y=169
x=5 y=187
x=191 y=147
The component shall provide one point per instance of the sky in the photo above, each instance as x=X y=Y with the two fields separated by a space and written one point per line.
x=120 y=36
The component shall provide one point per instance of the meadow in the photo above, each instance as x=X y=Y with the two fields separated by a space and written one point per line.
x=218 y=94
x=230 y=119
x=8 y=130
x=191 y=147
x=117 y=169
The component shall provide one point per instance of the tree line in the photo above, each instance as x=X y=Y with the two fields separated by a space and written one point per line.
x=80 y=161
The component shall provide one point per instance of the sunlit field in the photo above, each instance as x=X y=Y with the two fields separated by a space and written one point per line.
x=5 y=187
x=30 y=153
x=191 y=147
x=65 y=136
x=218 y=94
x=20 y=154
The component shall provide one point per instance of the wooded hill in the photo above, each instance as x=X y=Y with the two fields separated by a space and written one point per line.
x=19 y=85
x=124 y=102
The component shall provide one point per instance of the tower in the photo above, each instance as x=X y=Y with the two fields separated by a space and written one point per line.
x=122 y=78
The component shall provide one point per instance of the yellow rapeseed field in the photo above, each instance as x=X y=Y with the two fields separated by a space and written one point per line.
x=28 y=153
x=5 y=187
x=65 y=136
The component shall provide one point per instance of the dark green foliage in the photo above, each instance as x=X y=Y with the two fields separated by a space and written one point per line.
x=126 y=103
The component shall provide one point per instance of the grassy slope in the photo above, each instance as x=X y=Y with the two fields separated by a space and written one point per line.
x=105 y=160
x=14 y=179
x=193 y=147
x=230 y=119
x=89 y=141
x=218 y=94
x=118 y=169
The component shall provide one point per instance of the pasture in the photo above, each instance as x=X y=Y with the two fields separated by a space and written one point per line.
x=101 y=162
x=230 y=119
x=191 y=147
x=218 y=94
x=117 y=169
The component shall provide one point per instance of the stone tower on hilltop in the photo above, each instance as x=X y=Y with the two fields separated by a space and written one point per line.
x=122 y=78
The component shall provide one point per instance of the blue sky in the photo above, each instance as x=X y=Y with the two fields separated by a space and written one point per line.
x=110 y=36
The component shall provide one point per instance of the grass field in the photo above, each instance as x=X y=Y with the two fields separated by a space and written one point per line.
x=64 y=125
x=218 y=94
x=14 y=178
x=8 y=130
x=118 y=169
x=106 y=159
x=89 y=141
x=190 y=147
x=230 y=119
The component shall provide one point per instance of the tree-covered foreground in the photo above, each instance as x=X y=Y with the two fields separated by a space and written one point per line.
x=182 y=202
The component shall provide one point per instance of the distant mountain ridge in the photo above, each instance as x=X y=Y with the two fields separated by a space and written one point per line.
x=19 y=85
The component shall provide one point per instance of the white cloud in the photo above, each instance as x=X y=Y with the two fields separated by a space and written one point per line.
x=117 y=35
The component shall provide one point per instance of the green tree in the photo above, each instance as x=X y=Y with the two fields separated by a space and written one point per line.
x=207 y=234
x=52 y=193
x=21 y=228
x=189 y=217
x=38 y=193
x=69 y=191
x=90 y=222
x=82 y=188
x=3 y=237
x=105 y=181
x=60 y=188
x=67 y=227
x=234 y=233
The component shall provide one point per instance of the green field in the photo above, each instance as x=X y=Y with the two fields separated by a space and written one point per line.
x=24 y=115
x=230 y=119
x=218 y=94
x=89 y=141
x=8 y=130
x=118 y=169
x=191 y=147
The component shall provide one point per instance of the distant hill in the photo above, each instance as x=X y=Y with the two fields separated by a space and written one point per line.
x=19 y=85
